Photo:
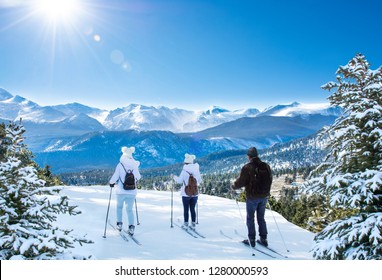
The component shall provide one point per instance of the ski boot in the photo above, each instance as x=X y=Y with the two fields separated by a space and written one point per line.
x=263 y=241
x=185 y=225
x=119 y=226
x=251 y=243
x=131 y=230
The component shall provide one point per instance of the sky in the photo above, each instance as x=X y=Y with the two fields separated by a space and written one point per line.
x=190 y=54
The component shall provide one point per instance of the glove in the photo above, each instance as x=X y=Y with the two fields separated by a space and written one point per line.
x=112 y=185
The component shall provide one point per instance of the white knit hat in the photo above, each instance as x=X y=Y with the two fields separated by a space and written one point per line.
x=189 y=158
x=128 y=152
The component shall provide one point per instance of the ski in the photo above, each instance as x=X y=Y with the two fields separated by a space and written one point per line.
x=237 y=233
x=195 y=231
x=186 y=230
x=124 y=237
x=272 y=250
x=254 y=248
x=132 y=238
x=225 y=235
x=258 y=250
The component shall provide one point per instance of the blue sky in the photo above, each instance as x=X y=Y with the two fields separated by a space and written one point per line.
x=183 y=53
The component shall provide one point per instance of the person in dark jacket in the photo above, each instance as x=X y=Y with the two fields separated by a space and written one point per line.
x=255 y=200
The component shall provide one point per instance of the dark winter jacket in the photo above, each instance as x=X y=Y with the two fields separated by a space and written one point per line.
x=244 y=180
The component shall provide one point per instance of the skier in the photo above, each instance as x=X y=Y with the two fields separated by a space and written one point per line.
x=189 y=202
x=125 y=197
x=256 y=196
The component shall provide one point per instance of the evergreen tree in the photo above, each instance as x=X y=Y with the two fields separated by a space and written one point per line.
x=3 y=141
x=29 y=208
x=351 y=175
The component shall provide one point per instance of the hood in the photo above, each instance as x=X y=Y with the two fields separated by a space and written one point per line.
x=192 y=168
x=129 y=162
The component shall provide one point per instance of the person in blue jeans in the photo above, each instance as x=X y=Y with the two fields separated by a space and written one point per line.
x=189 y=202
x=255 y=201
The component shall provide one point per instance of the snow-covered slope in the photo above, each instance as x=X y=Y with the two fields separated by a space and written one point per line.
x=135 y=116
x=4 y=95
x=72 y=109
x=215 y=116
x=162 y=242
x=142 y=117
x=298 y=109
x=16 y=107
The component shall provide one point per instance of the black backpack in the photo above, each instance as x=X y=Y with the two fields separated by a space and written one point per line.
x=192 y=185
x=261 y=179
x=129 y=183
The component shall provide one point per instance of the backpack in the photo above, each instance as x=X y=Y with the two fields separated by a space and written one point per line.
x=261 y=180
x=192 y=185
x=129 y=183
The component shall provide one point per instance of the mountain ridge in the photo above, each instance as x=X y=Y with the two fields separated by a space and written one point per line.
x=143 y=117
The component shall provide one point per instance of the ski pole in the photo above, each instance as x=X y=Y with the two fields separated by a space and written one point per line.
x=237 y=203
x=107 y=213
x=136 y=211
x=172 y=203
x=282 y=238
x=241 y=215
x=197 y=213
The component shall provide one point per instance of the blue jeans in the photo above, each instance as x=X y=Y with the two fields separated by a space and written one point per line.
x=256 y=205
x=189 y=203
x=128 y=200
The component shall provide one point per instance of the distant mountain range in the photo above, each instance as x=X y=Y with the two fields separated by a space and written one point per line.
x=77 y=137
x=139 y=117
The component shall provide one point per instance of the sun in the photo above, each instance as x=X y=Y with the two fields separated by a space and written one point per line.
x=58 y=10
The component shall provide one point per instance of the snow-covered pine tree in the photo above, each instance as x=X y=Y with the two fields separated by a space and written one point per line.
x=28 y=208
x=351 y=175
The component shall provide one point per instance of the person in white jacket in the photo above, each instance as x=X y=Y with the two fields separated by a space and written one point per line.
x=189 y=202
x=125 y=197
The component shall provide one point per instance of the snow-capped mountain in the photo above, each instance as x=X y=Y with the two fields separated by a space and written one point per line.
x=32 y=114
x=133 y=116
x=18 y=107
x=72 y=109
x=215 y=116
x=4 y=95
x=140 y=117
x=296 y=109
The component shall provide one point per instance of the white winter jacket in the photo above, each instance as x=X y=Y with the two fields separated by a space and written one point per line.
x=192 y=168
x=119 y=174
